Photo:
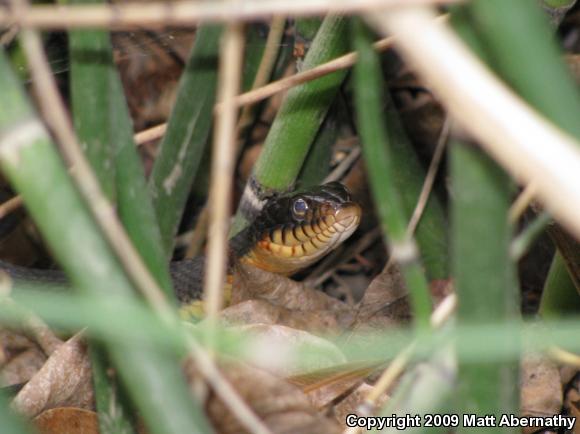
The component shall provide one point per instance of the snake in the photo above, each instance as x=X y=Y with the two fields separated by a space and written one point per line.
x=291 y=232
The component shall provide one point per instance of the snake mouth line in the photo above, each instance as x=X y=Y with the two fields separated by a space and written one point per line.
x=289 y=248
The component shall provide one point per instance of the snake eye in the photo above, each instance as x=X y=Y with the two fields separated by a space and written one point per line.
x=299 y=207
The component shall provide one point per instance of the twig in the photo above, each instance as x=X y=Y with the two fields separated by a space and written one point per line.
x=150 y=134
x=507 y=128
x=10 y=205
x=266 y=67
x=258 y=94
x=146 y=15
x=222 y=170
x=429 y=178
x=521 y=203
x=197 y=236
x=344 y=166
x=564 y=357
x=342 y=62
x=262 y=76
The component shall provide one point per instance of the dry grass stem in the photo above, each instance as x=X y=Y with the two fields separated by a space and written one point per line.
x=258 y=94
x=225 y=390
x=150 y=134
x=266 y=67
x=521 y=203
x=185 y=13
x=344 y=166
x=262 y=76
x=342 y=62
x=10 y=205
x=564 y=357
x=429 y=178
x=507 y=128
x=222 y=169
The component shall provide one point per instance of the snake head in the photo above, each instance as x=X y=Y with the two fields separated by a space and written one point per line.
x=295 y=230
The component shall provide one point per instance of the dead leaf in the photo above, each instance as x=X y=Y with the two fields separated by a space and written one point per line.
x=64 y=380
x=284 y=351
x=67 y=420
x=263 y=312
x=541 y=389
x=327 y=385
x=573 y=407
x=22 y=367
x=281 y=406
x=263 y=297
x=251 y=282
x=385 y=303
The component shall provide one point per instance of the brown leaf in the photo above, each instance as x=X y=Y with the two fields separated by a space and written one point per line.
x=67 y=420
x=541 y=390
x=22 y=367
x=385 y=301
x=573 y=406
x=263 y=312
x=282 y=350
x=275 y=299
x=326 y=385
x=282 y=406
x=64 y=380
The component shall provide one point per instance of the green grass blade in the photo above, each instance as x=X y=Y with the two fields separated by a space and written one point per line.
x=104 y=125
x=184 y=143
x=90 y=62
x=377 y=150
x=25 y=152
x=483 y=270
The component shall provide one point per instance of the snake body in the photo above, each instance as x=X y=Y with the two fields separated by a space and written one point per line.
x=290 y=233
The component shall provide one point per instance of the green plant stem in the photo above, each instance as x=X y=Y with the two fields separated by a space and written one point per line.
x=28 y=159
x=317 y=163
x=408 y=176
x=378 y=157
x=297 y=121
